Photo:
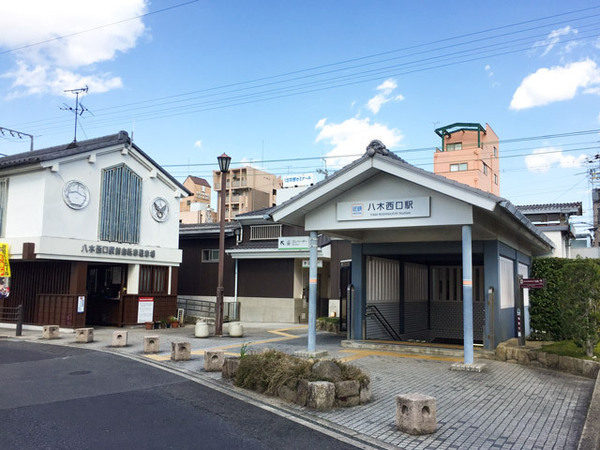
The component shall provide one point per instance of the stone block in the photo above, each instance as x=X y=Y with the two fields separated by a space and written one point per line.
x=302 y=393
x=321 y=395
x=213 y=361
x=365 y=393
x=288 y=391
x=523 y=357
x=84 y=335
x=119 y=339
x=551 y=361
x=501 y=352
x=151 y=344
x=348 y=402
x=230 y=367
x=50 y=332
x=542 y=358
x=590 y=369
x=566 y=364
x=577 y=366
x=416 y=414
x=181 y=351
x=327 y=370
x=348 y=388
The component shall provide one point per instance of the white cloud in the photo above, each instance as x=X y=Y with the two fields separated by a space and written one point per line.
x=385 y=95
x=52 y=66
x=489 y=71
x=351 y=137
x=553 y=39
x=543 y=159
x=198 y=144
x=558 y=83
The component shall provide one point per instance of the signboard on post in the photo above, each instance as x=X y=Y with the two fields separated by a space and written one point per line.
x=145 y=309
x=293 y=243
x=532 y=283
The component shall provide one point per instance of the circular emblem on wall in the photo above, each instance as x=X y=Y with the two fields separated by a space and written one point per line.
x=159 y=209
x=76 y=194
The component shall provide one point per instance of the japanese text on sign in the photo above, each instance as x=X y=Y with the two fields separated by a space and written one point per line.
x=384 y=209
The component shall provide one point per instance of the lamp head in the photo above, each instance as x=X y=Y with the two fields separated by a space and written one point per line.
x=224 y=161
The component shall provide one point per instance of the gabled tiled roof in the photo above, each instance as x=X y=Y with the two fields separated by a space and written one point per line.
x=565 y=208
x=207 y=229
x=199 y=181
x=76 y=148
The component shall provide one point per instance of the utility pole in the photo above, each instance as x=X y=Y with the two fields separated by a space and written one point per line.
x=79 y=108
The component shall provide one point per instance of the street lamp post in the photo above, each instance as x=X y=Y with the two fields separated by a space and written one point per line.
x=224 y=161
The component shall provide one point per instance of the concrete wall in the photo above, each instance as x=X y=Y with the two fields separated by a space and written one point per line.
x=271 y=310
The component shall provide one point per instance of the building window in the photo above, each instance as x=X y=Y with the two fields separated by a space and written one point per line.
x=485 y=169
x=210 y=255
x=120 y=205
x=3 y=204
x=263 y=232
x=452 y=147
x=154 y=280
x=495 y=179
x=460 y=167
x=495 y=152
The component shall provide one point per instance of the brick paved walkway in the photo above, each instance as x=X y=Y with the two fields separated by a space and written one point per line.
x=506 y=407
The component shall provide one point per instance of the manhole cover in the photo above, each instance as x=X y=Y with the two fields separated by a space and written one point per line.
x=80 y=372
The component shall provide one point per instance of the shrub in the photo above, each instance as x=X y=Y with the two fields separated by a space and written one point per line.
x=545 y=309
x=270 y=370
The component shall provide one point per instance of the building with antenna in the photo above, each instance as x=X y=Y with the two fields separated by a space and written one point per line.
x=98 y=243
x=469 y=154
x=247 y=189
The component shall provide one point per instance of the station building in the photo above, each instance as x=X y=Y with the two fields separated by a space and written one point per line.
x=417 y=240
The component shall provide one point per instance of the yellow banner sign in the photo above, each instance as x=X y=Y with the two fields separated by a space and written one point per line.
x=4 y=263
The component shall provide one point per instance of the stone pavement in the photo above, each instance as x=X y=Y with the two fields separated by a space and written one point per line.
x=506 y=407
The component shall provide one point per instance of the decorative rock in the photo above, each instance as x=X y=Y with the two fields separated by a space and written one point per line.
x=151 y=344
x=84 y=335
x=119 y=339
x=213 y=361
x=416 y=414
x=523 y=357
x=551 y=361
x=565 y=363
x=302 y=393
x=50 y=332
x=590 y=369
x=230 y=367
x=365 y=394
x=348 y=402
x=327 y=370
x=288 y=391
x=577 y=366
x=201 y=330
x=348 y=388
x=236 y=329
x=501 y=352
x=321 y=395
x=181 y=351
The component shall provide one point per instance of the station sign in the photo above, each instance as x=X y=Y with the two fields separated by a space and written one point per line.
x=532 y=283
x=395 y=208
x=293 y=243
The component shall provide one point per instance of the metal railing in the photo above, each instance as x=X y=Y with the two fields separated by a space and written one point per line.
x=373 y=311
x=13 y=314
x=208 y=309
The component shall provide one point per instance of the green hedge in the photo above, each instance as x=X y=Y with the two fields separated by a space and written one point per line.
x=545 y=313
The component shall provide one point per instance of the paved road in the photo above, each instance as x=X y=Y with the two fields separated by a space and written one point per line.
x=54 y=397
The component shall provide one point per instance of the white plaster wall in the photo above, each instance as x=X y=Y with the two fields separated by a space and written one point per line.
x=25 y=210
x=37 y=213
x=444 y=210
x=270 y=310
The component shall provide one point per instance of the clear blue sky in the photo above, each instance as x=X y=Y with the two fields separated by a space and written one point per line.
x=274 y=80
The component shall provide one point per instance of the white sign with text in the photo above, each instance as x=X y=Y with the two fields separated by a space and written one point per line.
x=399 y=208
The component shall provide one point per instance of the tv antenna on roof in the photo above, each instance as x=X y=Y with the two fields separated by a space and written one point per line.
x=79 y=108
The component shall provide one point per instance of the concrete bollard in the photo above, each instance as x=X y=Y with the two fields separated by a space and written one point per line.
x=236 y=329
x=181 y=351
x=416 y=414
x=151 y=344
x=201 y=329
x=119 y=339
x=84 y=335
x=213 y=361
x=50 y=332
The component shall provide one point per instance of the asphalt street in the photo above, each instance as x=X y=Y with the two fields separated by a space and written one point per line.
x=54 y=397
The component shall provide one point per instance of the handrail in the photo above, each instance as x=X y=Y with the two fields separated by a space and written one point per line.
x=373 y=311
x=13 y=314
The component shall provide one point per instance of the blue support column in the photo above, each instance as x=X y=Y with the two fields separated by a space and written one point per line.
x=467 y=270
x=312 y=292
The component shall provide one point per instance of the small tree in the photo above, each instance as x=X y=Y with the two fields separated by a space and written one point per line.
x=580 y=294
